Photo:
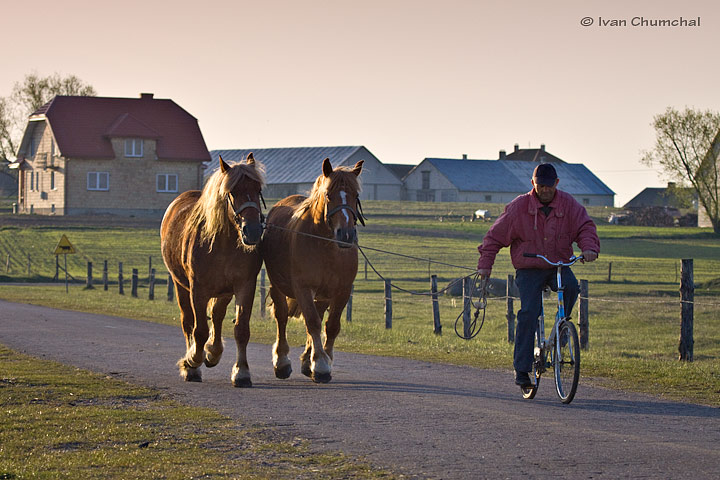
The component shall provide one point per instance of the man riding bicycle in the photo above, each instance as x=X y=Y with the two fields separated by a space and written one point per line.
x=545 y=221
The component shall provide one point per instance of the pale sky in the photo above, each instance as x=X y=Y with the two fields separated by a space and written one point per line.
x=407 y=79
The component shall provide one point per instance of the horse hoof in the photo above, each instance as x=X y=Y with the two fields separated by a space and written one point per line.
x=321 y=377
x=305 y=369
x=242 y=382
x=284 y=371
x=192 y=375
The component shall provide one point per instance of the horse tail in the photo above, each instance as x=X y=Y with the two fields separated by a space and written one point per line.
x=293 y=308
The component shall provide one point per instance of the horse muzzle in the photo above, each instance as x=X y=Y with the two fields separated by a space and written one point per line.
x=346 y=237
x=251 y=233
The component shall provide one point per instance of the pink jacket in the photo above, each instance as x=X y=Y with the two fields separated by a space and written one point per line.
x=526 y=229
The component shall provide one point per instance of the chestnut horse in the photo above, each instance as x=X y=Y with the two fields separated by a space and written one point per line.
x=309 y=274
x=208 y=242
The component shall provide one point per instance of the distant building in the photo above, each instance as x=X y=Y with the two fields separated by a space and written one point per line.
x=500 y=181
x=93 y=155
x=293 y=170
x=670 y=196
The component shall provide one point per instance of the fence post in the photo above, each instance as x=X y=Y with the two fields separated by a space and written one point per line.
x=510 y=315
x=150 y=269
x=348 y=311
x=121 y=288
x=467 y=294
x=262 y=293
x=435 y=305
x=89 y=280
x=366 y=269
x=610 y=272
x=687 y=298
x=151 y=286
x=170 y=290
x=134 y=283
x=105 y=275
x=584 y=320
x=388 y=304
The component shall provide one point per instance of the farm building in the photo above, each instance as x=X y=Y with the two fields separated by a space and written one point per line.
x=294 y=170
x=500 y=181
x=99 y=155
x=670 y=196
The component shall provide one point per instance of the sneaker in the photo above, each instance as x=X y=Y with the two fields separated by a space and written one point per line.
x=522 y=379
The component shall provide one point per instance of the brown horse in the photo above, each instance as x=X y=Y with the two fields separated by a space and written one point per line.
x=313 y=273
x=208 y=242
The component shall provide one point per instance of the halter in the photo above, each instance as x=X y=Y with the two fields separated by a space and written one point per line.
x=249 y=204
x=357 y=214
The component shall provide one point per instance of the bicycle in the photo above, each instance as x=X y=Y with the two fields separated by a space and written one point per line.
x=561 y=350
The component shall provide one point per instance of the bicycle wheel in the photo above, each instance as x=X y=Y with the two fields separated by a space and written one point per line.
x=529 y=392
x=567 y=364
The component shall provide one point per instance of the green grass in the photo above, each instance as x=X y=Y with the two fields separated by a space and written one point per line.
x=63 y=422
x=634 y=318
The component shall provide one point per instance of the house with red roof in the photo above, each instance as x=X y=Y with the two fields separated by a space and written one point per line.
x=100 y=155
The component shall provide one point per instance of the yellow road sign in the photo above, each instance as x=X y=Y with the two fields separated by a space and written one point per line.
x=64 y=246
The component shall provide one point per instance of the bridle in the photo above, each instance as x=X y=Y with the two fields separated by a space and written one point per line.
x=357 y=213
x=249 y=204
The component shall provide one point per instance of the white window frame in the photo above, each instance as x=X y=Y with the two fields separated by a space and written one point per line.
x=133 y=147
x=166 y=183
x=93 y=181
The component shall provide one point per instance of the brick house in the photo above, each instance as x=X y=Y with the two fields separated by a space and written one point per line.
x=99 y=155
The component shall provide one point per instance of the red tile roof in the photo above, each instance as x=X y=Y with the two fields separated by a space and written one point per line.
x=83 y=126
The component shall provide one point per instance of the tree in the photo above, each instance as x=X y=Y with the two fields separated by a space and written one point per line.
x=687 y=146
x=27 y=96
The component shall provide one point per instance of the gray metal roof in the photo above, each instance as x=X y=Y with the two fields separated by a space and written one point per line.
x=286 y=165
x=514 y=176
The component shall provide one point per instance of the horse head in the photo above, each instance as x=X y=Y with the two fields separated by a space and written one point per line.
x=342 y=202
x=244 y=194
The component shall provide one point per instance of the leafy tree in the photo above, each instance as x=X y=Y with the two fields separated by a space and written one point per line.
x=687 y=146
x=27 y=96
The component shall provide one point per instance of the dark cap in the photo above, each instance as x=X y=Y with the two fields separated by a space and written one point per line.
x=545 y=174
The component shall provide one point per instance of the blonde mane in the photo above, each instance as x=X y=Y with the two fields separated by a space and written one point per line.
x=342 y=178
x=209 y=216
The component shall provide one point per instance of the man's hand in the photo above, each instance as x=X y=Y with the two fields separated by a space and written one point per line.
x=589 y=256
x=484 y=272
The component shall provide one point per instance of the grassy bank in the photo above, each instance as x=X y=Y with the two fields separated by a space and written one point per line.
x=63 y=422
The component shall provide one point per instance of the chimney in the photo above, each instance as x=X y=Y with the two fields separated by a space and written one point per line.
x=146 y=96
x=517 y=147
x=464 y=156
x=502 y=154
x=542 y=147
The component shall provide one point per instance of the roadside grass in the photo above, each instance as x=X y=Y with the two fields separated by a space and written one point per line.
x=63 y=422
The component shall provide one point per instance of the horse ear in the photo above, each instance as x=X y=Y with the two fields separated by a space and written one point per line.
x=224 y=167
x=327 y=167
x=250 y=159
x=358 y=167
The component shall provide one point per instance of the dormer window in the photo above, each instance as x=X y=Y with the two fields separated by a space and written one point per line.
x=133 y=147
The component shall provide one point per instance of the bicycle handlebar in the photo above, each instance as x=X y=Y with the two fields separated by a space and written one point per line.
x=571 y=262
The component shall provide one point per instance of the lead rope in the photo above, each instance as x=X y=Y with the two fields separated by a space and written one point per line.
x=474 y=328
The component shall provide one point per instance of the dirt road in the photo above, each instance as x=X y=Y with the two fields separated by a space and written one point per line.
x=422 y=419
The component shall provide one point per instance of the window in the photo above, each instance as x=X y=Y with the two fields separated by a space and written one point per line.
x=586 y=201
x=98 y=181
x=32 y=181
x=133 y=147
x=167 y=182
x=488 y=198
x=425 y=180
x=52 y=181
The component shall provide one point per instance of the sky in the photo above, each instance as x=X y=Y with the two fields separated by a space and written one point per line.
x=408 y=79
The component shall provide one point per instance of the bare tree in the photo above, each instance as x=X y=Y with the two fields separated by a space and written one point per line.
x=27 y=96
x=686 y=147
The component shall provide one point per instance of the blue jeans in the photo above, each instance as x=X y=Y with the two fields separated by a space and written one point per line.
x=531 y=282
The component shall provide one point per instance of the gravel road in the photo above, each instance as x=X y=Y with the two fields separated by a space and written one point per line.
x=422 y=419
